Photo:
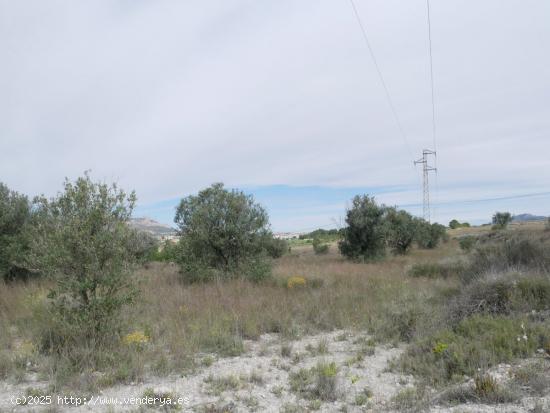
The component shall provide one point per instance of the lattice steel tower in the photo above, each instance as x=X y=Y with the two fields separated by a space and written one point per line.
x=426 y=168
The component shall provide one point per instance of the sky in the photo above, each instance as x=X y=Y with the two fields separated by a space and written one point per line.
x=282 y=100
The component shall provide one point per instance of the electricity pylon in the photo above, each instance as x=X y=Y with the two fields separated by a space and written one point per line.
x=425 y=182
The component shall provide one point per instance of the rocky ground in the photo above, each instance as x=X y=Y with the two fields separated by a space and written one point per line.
x=277 y=376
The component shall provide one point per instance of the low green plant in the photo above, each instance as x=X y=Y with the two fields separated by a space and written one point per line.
x=532 y=378
x=467 y=243
x=501 y=295
x=477 y=342
x=218 y=385
x=286 y=350
x=319 y=247
x=408 y=398
x=326 y=387
x=319 y=382
x=363 y=397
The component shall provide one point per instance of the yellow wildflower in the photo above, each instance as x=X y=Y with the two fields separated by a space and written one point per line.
x=137 y=337
x=296 y=282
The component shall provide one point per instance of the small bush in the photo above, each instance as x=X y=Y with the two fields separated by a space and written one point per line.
x=223 y=235
x=429 y=235
x=409 y=398
x=319 y=382
x=218 y=385
x=364 y=236
x=485 y=386
x=467 y=243
x=326 y=387
x=501 y=295
x=510 y=251
x=286 y=350
x=275 y=247
x=454 y=224
x=401 y=228
x=85 y=245
x=478 y=342
x=501 y=220
x=318 y=247
x=484 y=390
x=532 y=378
x=166 y=252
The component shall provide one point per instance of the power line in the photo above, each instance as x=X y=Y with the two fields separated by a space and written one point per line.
x=390 y=102
x=431 y=73
x=433 y=99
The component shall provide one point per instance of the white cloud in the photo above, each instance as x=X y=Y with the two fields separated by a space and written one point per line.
x=169 y=96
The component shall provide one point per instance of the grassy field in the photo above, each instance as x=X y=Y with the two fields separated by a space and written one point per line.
x=423 y=299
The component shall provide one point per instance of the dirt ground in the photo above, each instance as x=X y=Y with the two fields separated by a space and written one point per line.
x=260 y=380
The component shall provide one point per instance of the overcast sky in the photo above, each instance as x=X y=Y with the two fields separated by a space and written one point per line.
x=280 y=98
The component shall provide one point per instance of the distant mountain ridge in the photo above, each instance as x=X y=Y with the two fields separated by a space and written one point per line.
x=151 y=226
x=528 y=217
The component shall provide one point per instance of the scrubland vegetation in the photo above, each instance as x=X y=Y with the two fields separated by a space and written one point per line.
x=87 y=303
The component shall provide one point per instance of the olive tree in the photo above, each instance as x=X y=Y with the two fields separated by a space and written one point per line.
x=84 y=244
x=501 y=220
x=364 y=236
x=400 y=230
x=429 y=235
x=15 y=216
x=223 y=234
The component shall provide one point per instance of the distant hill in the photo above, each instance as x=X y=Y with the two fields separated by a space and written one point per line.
x=527 y=217
x=151 y=226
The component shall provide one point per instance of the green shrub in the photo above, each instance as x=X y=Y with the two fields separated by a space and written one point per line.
x=15 y=217
x=501 y=220
x=318 y=247
x=401 y=228
x=319 y=382
x=467 y=243
x=144 y=245
x=275 y=247
x=477 y=342
x=222 y=235
x=429 y=235
x=166 y=251
x=325 y=235
x=532 y=378
x=510 y=251
x=454 y=224
x=364 y=236
x=326 y=387
x=85 y=245
x=501 y=295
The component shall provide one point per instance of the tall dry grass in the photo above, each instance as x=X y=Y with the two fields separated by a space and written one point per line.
x=182 y=320
x=377 y=297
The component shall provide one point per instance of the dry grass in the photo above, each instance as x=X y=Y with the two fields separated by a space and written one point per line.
x=218 y=316
x=181 y=320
